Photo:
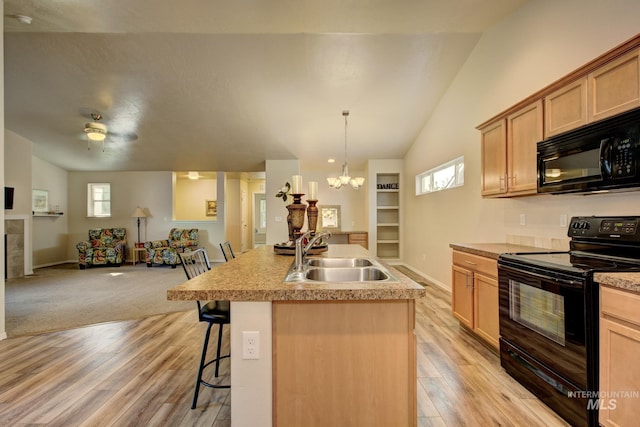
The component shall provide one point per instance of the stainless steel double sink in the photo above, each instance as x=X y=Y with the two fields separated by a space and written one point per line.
x=340 y=270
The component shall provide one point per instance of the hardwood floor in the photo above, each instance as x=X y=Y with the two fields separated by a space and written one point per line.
x=142 y=373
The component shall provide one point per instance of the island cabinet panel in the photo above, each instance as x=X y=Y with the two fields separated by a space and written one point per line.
x=615 y=87
x=344 y=363
x=619 y=350
x=566 y=108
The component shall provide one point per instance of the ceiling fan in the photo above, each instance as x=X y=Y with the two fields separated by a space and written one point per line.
x=95 y=131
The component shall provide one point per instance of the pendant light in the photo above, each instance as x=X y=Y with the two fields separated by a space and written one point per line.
x=345 y=178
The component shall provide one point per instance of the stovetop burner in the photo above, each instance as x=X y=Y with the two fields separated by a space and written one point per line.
x=574 y=261
x=597 y=244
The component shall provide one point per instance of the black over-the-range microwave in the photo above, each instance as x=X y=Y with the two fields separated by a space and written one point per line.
x=602 y=156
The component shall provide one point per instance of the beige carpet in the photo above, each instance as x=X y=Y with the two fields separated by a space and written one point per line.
x=63 y=297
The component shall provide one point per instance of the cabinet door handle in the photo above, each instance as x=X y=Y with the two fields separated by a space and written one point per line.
x=469 y=262
x=502 y=178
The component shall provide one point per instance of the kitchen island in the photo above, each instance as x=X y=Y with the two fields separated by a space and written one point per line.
x=330 y=353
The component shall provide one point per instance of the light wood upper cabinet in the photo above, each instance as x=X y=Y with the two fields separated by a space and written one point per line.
x=604 y=87
x=494 y=158
x=614 y=87
x=566 y=108
x=524 y=131
x=509 y=153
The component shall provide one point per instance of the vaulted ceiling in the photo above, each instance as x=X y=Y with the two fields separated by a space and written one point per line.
x=226 y=85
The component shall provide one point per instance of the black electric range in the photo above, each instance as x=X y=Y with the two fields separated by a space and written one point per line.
x=549 y=312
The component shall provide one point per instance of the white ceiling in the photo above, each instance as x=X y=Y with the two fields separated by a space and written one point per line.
x=226 y=85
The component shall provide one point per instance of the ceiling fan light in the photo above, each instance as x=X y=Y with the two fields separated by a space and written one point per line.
x=96 y=136
x=95 y=131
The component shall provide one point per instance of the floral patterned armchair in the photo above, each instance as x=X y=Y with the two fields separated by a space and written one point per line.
x=106 y=246
x=166 y=251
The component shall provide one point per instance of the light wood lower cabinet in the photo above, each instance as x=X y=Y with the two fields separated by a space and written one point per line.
x=360 y=238
x=619 y=358
x=344 y=363
x=475 y=295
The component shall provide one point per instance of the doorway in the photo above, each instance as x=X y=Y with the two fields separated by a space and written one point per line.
x=259 y=219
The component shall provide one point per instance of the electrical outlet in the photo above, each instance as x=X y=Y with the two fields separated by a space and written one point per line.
x=523 y=219
x=563 y=220
x=251 y=345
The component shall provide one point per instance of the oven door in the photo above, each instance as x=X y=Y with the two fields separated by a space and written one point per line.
x=543 y=317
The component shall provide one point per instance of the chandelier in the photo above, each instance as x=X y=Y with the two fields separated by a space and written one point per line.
x=345 y=178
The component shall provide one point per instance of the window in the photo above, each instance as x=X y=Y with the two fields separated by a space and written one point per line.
x=447 y=175
x=98 y=200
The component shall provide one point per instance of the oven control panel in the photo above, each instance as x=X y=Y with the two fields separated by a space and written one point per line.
x=623 y=228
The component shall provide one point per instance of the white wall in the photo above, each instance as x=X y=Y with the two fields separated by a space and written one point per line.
x=538 y=44
x=278 y=172
x=191 y=196
x=151 y=191
x=50 y=232
x=233 y=213
x=17 y=171
x=352 y=202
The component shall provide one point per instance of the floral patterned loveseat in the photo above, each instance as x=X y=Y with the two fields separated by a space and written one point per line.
x=106 y=246
x=166 y=251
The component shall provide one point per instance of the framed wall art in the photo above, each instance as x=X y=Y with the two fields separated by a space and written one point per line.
x=330 y=217
x=211 y=208
x=40 y=200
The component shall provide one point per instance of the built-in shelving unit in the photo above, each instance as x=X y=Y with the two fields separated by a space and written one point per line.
x=388 y=215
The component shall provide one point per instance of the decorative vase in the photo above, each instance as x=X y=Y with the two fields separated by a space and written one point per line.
x=312 y=215
x=295 y=219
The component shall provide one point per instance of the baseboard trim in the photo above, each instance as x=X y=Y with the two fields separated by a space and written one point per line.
x=426 y=276
x=51 y=264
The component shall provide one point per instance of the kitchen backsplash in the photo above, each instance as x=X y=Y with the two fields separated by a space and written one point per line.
x=560 y=244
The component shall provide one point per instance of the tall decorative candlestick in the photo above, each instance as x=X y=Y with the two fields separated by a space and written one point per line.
x=312 y=215
x=313 y=190
x=296 y=216
x=296 y=184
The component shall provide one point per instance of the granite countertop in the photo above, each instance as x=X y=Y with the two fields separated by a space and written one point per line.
x=625 y=281
x=258 y=275
x=493 y=250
